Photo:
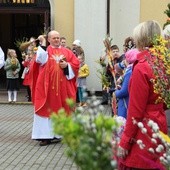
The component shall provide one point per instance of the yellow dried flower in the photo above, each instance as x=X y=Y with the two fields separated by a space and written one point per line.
x=160 y=63
x=165 y=137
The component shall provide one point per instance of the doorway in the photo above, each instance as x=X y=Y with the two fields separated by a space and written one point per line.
x=18 y=22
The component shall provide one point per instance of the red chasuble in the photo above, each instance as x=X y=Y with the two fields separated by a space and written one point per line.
x=50 y=87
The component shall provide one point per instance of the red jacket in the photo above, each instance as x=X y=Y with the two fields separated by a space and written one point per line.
x=142 y=107
x=27 y=81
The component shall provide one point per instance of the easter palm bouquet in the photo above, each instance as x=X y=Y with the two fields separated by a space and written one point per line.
x=160 y=63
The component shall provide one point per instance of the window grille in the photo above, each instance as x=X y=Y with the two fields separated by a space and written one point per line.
x=17 y=1
x=25 y=3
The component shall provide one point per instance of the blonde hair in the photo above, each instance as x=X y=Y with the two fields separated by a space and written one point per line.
x=144 y=33
x=10 y=53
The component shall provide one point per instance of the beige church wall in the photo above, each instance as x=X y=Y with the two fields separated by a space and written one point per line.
x=90 y=28
x=84 y=20
x=154 y=10
x=62 y=18
x=124 y=16
x=76 y=19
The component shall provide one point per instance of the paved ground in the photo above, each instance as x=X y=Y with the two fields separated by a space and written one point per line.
x=17 y=150
x=21 y=97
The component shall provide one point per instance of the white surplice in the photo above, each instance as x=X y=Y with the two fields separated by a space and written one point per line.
x=2 y=58
x=42 y=126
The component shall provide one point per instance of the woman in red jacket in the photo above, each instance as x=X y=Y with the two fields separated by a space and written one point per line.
x=142 y=106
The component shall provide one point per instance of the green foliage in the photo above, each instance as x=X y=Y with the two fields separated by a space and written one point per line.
x=18 y=42
x=167 y=12
x=159 y=63
x=101 y=74
x=103 y=78
x=14 y=67
x=88 y=135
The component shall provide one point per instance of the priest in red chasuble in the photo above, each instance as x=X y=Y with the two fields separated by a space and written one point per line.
x=54 y=75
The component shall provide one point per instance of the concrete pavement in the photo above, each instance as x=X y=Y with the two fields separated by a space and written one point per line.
x=21 y=96
x=17 y=150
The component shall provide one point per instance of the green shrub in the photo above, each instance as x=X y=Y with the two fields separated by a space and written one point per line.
x=88 y=134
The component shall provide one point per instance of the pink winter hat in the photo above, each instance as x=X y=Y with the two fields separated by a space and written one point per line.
x=131 y=55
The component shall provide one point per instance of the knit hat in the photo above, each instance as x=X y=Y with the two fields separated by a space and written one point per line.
x=131 y=55
x=119 y=68
x=77 y=42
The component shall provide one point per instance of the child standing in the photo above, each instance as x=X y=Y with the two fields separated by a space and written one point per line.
x=27 y=61
x=25 y=75
x=12 y=67
x=81 y=81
